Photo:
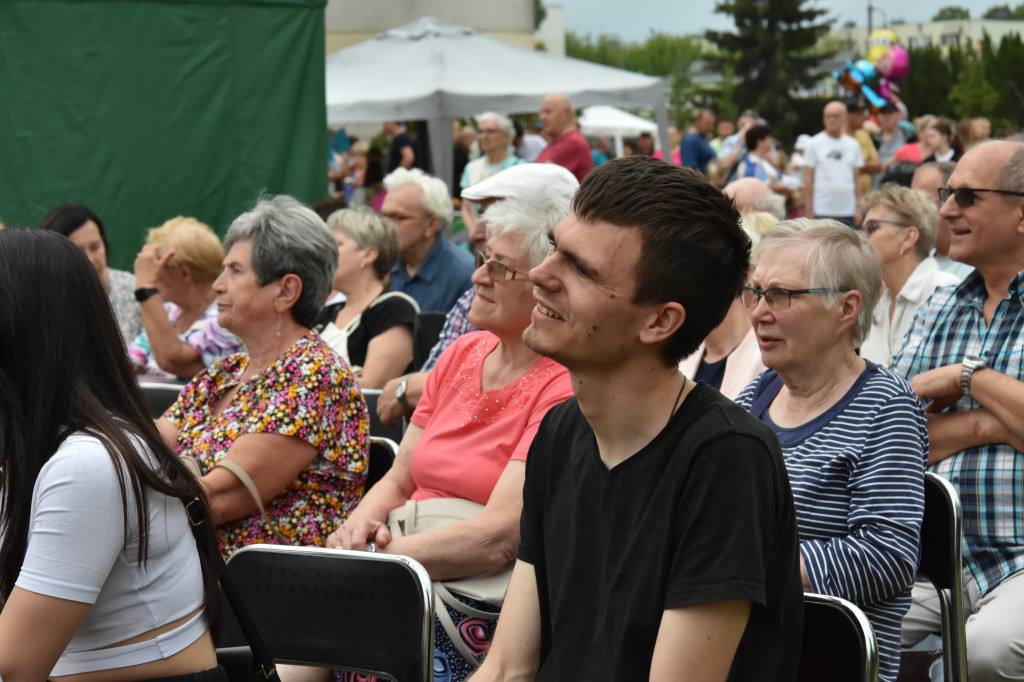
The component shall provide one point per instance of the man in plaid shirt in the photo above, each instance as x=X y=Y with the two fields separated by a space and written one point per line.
x=963 y=353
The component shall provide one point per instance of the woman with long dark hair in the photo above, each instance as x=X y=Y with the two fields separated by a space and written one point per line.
x=101 y=576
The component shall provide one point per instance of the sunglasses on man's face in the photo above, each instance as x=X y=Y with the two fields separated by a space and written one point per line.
x=964 y=196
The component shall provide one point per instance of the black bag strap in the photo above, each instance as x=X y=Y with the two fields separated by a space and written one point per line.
x=196 y=512
x=762 y=401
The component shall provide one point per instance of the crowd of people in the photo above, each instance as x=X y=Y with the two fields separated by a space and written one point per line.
x=672 y=393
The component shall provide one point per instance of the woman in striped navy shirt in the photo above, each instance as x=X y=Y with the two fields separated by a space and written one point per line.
x=853 y=434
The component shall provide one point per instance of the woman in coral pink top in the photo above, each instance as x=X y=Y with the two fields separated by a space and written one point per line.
x=472 y=429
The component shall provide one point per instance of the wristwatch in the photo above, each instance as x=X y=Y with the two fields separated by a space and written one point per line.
x=143 y=293
x=400 y=394
x=967 y=369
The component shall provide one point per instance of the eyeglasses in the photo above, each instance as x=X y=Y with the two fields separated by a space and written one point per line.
x=964 y=196
x=779 y=299
x=490 y=131
x=498 y=271
x=871 y=225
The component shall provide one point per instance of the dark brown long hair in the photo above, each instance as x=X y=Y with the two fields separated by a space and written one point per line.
x=63 y=369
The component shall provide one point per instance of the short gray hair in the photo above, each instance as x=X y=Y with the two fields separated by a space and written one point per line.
x=435 y=193
x=503 y=121
x=837 y=258
x=911 y=207
x=531 y=221
x=369 y=230
x=289 y=238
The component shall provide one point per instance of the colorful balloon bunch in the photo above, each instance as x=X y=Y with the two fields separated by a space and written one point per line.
x=875 y=77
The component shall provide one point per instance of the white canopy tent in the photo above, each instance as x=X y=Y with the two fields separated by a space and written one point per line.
x=428 y=69
x=609 y=121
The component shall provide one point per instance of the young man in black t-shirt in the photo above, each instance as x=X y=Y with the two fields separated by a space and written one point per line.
x=658 y=533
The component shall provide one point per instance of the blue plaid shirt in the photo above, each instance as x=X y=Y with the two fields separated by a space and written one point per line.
x=456 y=323
x=989 y=479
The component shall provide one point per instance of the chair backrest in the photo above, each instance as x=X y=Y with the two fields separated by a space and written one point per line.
x=425 y=334
x=370 y=613
x=382 y=456
x=838 y=643
x=941 y=533
x=160 y=396
x=377 y=427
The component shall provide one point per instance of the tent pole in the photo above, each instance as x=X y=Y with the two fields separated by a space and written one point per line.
x=661 y=117
x=441 y=144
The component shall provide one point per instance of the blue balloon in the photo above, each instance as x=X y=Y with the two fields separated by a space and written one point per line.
x=867 y=70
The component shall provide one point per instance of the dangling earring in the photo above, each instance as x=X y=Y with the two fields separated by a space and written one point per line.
x=279 y=324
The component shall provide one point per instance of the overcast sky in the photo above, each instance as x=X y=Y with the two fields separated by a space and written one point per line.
x=633 y=20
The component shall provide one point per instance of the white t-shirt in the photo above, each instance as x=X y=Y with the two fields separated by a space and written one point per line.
x=77 y=551
x=834 y=160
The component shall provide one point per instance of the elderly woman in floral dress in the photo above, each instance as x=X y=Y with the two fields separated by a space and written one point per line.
x=278 y=432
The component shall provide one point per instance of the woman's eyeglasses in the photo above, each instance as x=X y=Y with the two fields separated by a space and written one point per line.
x=871 y=225
x=964 y=196
x=498 y=271
x=779 y=299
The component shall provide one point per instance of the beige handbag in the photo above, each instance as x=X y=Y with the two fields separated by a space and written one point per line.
x=419 y=516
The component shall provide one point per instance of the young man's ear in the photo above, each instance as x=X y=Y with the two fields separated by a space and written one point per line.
x=663 y=322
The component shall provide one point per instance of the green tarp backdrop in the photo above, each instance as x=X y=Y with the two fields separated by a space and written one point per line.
x=147 y=109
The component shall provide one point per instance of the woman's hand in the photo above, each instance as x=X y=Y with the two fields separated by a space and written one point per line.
x=148 y=265
x=357 y=531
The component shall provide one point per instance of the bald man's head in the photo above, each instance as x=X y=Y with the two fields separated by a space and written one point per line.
x=749 y=194
x=835 y=118
x=557 y=115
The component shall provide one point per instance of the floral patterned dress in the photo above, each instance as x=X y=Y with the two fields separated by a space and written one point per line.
x=308 y=393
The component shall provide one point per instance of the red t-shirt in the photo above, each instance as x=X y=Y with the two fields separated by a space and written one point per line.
x=468 y=436
x=570 y=151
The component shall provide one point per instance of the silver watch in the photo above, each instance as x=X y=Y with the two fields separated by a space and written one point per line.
x=967 y=369
x=400 y=394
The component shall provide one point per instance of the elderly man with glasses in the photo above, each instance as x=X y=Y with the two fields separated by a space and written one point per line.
x=963 y=355
x=430 y=268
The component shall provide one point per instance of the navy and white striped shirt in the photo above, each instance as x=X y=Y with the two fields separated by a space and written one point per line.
x=990 y=478
x=857 y=474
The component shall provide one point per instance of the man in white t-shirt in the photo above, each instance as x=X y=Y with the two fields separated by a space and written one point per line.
x=832 y=163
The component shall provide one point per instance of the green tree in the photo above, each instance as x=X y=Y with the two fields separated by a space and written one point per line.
x=776 y=47
x=925 y=89
x=951 y=13
x=998 y=12
x=1002 y=69
x=1018 y=12
x=539 y=14
x=972 y=95
x=661 y=54
x=605 y=50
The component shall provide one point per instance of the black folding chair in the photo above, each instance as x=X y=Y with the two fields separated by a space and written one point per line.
x=365 y=612
x=377 y=427
x=382 y=456
x=425 y=334
x=160 y=396
x=942 y=566
x=838 y=643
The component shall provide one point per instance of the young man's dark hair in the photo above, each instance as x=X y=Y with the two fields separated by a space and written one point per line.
x=670 y=205
x=755 y=135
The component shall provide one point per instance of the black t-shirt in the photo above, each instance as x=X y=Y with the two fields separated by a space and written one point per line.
x=702 y=514
x=395 y=150
x=380 y=316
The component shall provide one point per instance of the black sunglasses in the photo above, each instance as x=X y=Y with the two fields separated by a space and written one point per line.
x=964 y=196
